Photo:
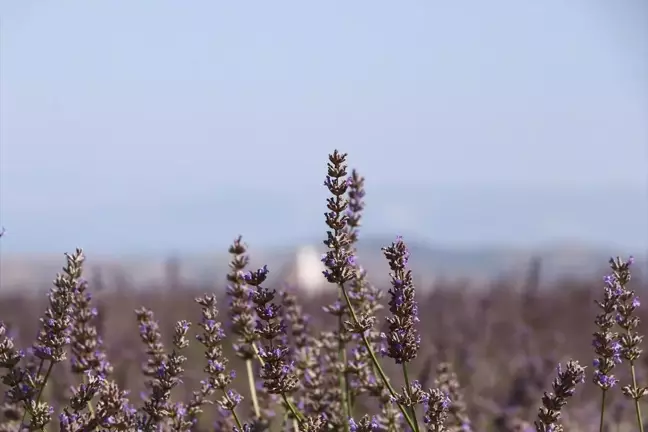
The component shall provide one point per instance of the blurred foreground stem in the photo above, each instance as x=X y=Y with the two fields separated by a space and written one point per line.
x=342 y=354
x=253 y=393
x=636 y=400
x=601 y=421
x=409 y=393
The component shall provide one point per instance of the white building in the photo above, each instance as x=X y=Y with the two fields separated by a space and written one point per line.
x=305 y=271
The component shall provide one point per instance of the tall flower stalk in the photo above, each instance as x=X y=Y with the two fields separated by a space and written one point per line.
x=164 y=370
x=564 y=386
x=403 y=340
x=218 y=377
x=277 y=369
x=448 y=383
x=242 y=316
x=340 y=262
x=51 y=343
x=365 y=301
x=606 y=343
x=628 y=321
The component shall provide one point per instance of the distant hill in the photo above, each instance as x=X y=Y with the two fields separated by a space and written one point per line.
x=428 y=263
x=515 y=216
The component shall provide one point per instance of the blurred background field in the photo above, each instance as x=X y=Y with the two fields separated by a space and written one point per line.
x=504 y=336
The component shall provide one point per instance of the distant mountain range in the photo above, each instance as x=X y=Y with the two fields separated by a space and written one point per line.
x=467 y=217
x=452 y=231
x=427 y=261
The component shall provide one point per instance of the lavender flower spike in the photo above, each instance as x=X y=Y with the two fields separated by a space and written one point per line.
x=403 y=340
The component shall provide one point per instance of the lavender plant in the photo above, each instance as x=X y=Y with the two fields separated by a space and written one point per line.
x=316 y=379
x=340 y=263
x=606 y=343
x=627 y=303
x=218 y=378
x=277 y=369
x=448 y=383
x=243 y=319
x=564 y=387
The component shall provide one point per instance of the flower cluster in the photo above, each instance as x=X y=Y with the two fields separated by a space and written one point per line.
x=606 y=341
x=241 y=309
x=218 y=378
x=277 y=370
x=448 y=383
x=88 y=355
x=164 y=372
x=339 y=260
x=564 y=387
x=438 y=404
x=356 y=204
x=628 y=321
x=403 y=340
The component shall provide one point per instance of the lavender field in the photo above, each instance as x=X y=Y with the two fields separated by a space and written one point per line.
x=504 y=344
x=236 y=355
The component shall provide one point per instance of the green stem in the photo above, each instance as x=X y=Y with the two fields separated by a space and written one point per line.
x=236 y=418
x=409 y=393
x=27 y=407
x=381 y=372
x=342 y=355
x=296 y=414
x=90 y=406
x=636 y=401
x=40 y=392
x=253 y=393
x=601 y=423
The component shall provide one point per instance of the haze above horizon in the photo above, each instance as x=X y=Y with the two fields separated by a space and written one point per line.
x=159 y=125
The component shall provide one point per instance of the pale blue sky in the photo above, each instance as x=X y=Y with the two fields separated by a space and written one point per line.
x=110 y=108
